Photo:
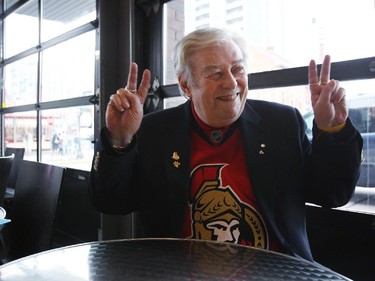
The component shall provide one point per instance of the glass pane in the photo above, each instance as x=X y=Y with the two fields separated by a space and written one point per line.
x=281 y=34
x=1 y=40
x=20 y=82
x=61 y=16
x=360 y=97
x=67 y=137
x=297 y=96
x=68 y=69
x=20 y=132
x=9 y=3
x=21 y=29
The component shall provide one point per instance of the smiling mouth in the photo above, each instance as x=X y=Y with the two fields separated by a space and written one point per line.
x=228 y=97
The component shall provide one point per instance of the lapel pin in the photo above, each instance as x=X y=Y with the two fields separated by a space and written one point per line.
x=262 y=147
x=96 y=161
x=176 y=157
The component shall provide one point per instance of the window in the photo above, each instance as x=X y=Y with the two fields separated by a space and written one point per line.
x=68 y=68
x=283 y=36
x=21 y=81
x=22 y=23
x=49 y=80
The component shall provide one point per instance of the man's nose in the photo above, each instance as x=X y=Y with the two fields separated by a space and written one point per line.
x=230 y=81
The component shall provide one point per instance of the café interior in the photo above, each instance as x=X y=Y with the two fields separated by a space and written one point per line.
x=61 y=61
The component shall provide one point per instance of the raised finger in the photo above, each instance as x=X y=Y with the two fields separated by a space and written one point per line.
x=312 y=73
x=325 y=72
x=132 y=77
x=145 y=85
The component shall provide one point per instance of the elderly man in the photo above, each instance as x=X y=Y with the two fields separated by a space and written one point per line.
x=222 y=166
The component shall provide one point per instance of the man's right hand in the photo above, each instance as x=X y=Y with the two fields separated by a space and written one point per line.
x=125 y=108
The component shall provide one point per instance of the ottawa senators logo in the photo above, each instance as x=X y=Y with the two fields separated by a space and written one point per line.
x=218 y=214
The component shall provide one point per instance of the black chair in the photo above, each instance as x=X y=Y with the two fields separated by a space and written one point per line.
x=6 y=163
x=18 y=156
x=35 y=202
x=76 y=220
x=5 y=168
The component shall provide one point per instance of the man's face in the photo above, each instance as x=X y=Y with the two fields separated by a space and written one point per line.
x=219 y=85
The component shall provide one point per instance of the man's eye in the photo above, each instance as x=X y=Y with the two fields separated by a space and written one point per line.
x=238 y=70
x=214 y=75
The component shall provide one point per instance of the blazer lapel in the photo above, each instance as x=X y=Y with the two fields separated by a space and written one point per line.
x=176 y=163
x=258 y=149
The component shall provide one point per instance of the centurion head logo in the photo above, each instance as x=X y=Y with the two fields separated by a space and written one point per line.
x=218 y=214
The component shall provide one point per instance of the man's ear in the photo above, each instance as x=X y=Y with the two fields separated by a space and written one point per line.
x=184 y=86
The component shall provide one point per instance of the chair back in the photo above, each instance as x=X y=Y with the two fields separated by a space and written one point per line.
x=5 y=168
x=35 y=202
x=18 y=156
x=76 y=219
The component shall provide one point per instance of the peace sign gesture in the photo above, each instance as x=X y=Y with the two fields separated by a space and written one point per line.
x=327 y=97
x=125 y=108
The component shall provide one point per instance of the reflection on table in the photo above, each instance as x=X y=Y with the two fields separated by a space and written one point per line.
x=162 y=259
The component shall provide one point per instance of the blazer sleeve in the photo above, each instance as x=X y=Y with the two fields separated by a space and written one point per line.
x=112 y=177
x=335 y=164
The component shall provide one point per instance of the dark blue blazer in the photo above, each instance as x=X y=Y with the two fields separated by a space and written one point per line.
x=290 y=172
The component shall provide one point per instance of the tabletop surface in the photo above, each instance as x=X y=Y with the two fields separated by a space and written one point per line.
x=162 y=259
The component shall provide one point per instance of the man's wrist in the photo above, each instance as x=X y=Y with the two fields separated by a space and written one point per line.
x=122 y=148
x=333 y=129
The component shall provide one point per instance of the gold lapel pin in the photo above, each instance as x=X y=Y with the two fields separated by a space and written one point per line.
x=176 y=157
